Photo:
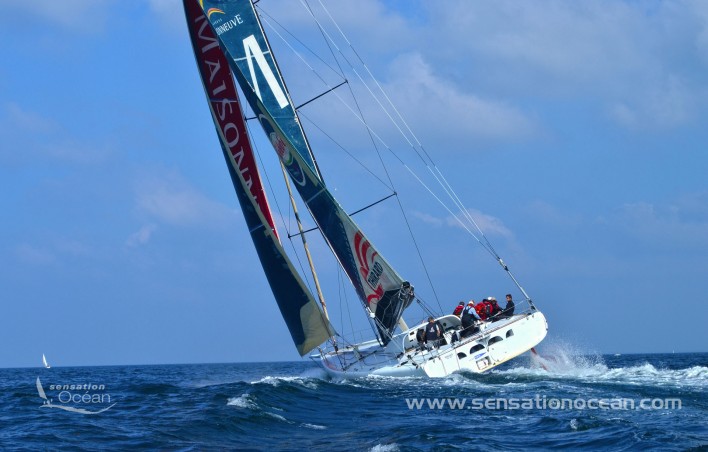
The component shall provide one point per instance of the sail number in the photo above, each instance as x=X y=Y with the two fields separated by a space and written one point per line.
x=253 y=52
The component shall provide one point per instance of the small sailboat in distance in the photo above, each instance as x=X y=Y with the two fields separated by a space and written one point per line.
x=44 y=361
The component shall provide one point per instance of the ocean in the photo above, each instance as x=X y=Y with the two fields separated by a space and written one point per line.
x=562 y=400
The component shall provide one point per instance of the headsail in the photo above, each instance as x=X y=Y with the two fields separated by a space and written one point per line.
x=377 y=284
x=301 y=313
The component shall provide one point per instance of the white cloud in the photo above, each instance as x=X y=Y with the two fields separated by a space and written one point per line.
x=16 y=117
x=449 y=110
x=641 y=61
x=490 y=225
x=427 y=218
x=27 y=135
x=170 y=13
x=550 y=214
x=77 y=15
x=142 y=236
x=683 y=222
x=665 y=106
x=34 y=255
x=171 y=199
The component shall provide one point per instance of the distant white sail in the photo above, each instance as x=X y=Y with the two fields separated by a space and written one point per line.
x=44 y=361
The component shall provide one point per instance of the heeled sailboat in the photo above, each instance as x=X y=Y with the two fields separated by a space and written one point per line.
x=231 y=51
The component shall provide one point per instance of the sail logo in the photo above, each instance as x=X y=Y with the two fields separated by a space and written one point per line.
x=253 y=52
x=226 y=110
x=225 y=26
x=82 y=398
x=293 y=167
x=211 y=11
x=375 y=274
x=369 y=268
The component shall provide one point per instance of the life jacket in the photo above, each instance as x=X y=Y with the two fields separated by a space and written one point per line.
x=458 y=310
x=489 y=308
x=481 y=309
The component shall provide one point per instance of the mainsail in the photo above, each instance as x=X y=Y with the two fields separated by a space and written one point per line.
x=383 y=292
x=301 y=313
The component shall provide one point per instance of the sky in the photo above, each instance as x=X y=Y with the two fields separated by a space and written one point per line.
x=574 y=132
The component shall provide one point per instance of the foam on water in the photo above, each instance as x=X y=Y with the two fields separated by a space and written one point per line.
x=278 y=417
x=314 y=426
x=242 y=401
x=385 y=448
x=276 y=381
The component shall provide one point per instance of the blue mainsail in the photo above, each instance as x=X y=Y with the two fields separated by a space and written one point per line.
x=382 y=291
x=306 y=322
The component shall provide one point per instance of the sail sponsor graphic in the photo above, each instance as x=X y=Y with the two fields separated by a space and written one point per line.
x=243 y=39
x=291 y=165
x=370 y=269
x=214 y=11
x=223 y=96
x=306 y=323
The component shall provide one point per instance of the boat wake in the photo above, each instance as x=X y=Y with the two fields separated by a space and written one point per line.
x=563 y=361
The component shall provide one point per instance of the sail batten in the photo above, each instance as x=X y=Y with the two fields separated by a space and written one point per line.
x=306 y=323
x=380 y=288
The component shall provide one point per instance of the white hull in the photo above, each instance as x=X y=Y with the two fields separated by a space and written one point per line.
x=496 y=343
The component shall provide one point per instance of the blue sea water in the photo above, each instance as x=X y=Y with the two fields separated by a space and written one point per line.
x=294 y=406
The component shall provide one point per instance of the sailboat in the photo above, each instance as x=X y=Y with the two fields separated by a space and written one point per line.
x=232 y=53
x=44 y=362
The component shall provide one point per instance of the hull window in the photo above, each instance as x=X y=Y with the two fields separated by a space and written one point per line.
x=494 y=340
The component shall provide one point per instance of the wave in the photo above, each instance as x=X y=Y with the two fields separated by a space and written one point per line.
x=648 y=374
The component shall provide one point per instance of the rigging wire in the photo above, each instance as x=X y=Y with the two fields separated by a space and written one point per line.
x=340 y=146
x=378 y=152
x=442 y=181
x=463 y=217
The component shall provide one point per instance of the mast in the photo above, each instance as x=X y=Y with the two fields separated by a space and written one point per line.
x=304 y=243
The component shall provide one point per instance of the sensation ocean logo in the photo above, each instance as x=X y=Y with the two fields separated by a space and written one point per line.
x=85 y=395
